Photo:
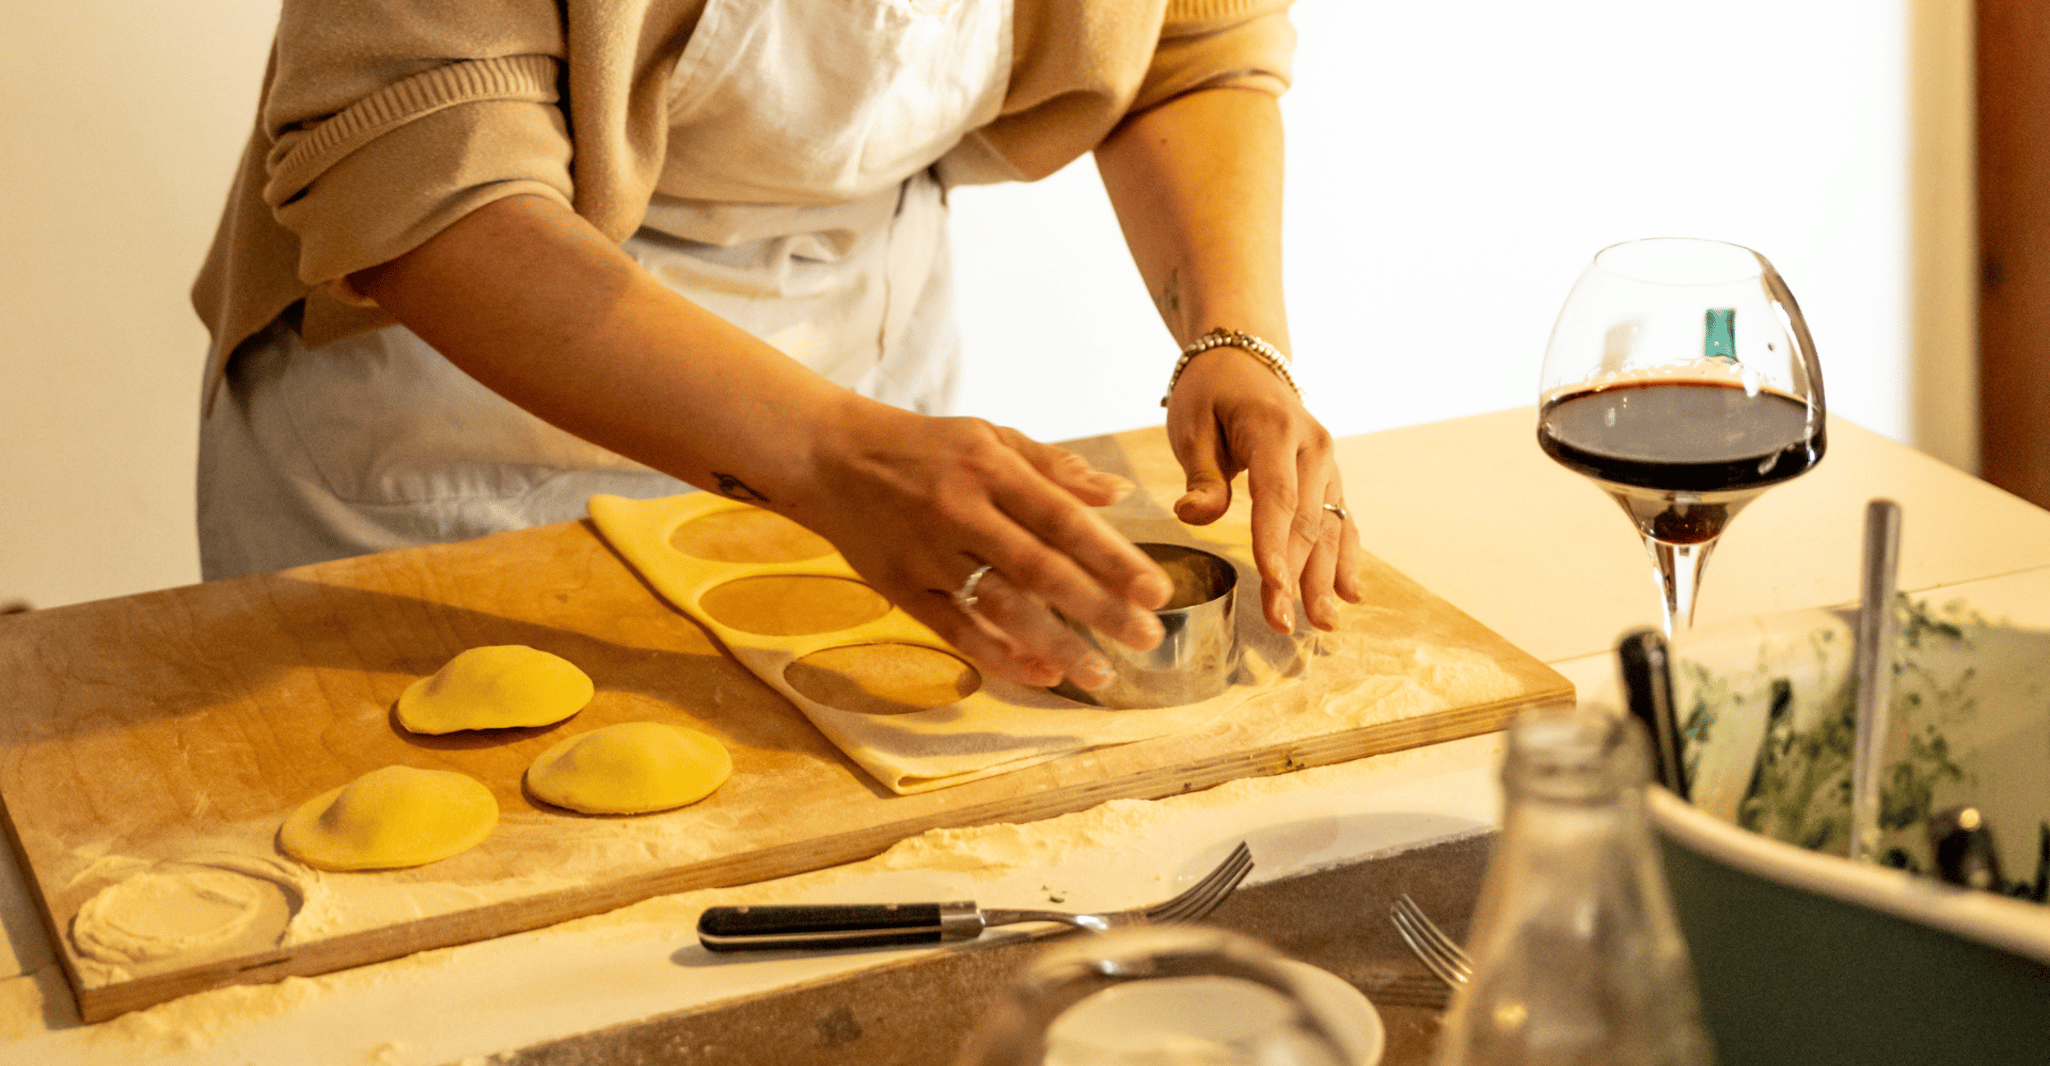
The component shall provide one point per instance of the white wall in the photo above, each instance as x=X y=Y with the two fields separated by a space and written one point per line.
x=120 y=123
x=1452 y=166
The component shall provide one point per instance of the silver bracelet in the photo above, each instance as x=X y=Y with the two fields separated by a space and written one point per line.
x=1231 y=338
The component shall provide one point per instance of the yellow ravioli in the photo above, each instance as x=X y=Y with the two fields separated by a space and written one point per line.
x=630 y=768
x=391 y=817
x=498 y=687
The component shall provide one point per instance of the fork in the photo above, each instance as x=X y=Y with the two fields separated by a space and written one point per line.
x=846 y=925
x=1439 y=953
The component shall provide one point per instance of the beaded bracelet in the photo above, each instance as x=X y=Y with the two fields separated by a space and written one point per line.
x=1222 y=338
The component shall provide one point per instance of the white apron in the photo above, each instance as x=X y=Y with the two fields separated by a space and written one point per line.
x=795 y=201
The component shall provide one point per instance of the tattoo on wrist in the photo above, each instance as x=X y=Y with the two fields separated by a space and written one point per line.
x=1170 y=299
x=735 y=489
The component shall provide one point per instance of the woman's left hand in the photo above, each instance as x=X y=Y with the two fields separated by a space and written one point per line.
x=1230 y=413
x=1197 y=184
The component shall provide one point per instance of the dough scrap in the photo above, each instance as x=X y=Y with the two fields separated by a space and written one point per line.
x=163 y=914
x=630 y=768
x=748 y=535
x=790 y=605
x=883 y=678
x=389 y=818
x=498 y=687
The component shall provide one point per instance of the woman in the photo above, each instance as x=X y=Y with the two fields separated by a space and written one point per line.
x=485 y=259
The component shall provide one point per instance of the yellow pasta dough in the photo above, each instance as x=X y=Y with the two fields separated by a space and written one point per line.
x=788 y=605
x=882 y=678
x=630 y=768
x=748 y=535
x=497 y=687
x=391 y=817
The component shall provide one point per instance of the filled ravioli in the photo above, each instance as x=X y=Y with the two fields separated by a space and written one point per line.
x=496 y=687
x=630 y=768
x=391 y=817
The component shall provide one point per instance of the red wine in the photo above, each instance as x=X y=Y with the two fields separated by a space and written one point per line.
x=1681 y=457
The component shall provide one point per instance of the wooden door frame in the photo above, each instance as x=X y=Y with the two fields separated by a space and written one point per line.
x=2012 y=112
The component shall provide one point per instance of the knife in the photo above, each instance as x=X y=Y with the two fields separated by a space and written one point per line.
x=1647 y=678
x=837 y=925
x=847 y=925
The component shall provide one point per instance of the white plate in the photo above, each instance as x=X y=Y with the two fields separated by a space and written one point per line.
x=1195 y=1019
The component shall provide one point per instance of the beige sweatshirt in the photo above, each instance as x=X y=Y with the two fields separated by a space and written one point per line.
x=383 y=121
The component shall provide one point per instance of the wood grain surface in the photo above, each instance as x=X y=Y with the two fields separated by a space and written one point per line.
x=180 y=726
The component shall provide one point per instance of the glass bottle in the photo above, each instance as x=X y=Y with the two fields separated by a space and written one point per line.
x=1577 y=955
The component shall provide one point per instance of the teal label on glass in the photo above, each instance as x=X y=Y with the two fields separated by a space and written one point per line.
x=1719 y=334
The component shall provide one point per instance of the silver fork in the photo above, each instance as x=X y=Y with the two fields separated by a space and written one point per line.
x=1439 y=954
x=842 y=925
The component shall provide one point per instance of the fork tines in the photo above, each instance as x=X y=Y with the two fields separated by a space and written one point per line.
x=1198 y=900
x=1437 y=951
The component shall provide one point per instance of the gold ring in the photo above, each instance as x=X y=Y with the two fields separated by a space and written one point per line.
x=965 y=597
x=1337 y=510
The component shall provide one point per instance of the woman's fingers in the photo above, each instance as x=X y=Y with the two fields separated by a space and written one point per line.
x=1096 y=574
x=1009 y=623
x=1271 y=478
x=1350 y=588
x=1304 y=552
x=1094 y=487
x=1311 y=530
x=1207 y=467
x=918 y=504
x=1102 y=580
x=1000 y=626
x=989 y=616
x=1312 y=548
x=1330 y=572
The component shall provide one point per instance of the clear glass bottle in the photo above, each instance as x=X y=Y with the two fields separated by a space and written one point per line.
x=1578 y=958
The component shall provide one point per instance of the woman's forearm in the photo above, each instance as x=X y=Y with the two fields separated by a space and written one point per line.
x=536 y=304
x=1196 y=183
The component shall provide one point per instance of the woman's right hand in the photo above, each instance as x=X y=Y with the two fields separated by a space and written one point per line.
x=533 y=302
x=917 y=504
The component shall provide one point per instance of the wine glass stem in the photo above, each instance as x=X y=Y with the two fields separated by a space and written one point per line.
x=1678 y=570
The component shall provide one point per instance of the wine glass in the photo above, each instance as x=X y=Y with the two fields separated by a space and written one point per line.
x=1681 y=380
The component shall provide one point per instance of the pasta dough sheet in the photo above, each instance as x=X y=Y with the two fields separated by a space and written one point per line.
x=884 y=688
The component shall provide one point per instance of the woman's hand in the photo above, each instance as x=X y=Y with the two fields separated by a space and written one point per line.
x=530 y=300
x=917 y=505
x=1197 y=185
x=1229 y=413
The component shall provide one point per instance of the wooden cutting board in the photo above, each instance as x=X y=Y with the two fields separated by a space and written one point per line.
x=178 y=727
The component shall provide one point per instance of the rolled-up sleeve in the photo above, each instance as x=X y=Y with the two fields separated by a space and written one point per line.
x=384 y=131
x=1208 y=44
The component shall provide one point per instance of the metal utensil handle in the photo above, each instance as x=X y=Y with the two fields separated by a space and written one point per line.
x=841 y=925
x=1962 y=844
x=1647 y=676
x=1873 y=670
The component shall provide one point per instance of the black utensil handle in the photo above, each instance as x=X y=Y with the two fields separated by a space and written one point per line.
x=843 y=925
x=1963 y=847
x=1648 y=690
